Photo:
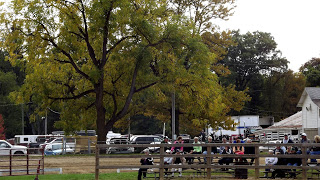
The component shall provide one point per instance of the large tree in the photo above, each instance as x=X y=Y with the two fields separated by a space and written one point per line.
x=254 y=53
x=92 y=59
x=281 y=93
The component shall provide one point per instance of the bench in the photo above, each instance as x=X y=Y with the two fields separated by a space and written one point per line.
x=287 y=173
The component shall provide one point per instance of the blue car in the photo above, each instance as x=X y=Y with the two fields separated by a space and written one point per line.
x=57 y=149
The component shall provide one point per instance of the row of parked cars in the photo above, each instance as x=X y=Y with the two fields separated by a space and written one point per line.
x=52 y=146
x=135 y=139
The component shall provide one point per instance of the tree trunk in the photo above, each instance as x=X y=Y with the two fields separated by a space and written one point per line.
x=100 y=122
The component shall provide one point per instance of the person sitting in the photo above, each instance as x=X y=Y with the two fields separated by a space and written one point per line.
x=316 y=149
x=270 y=161
x=167 y=161
x=249 y=150
x=195 y=150
x=166 y=141
x=293 y=161
x=239 y=150
x=281 y=161
x=145 y=161
x=226 y=160
x=177 y=160
x=178 y=141
x=224 y=141
x=213 y=149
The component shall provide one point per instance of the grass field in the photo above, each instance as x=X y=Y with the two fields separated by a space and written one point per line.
x=105 y=176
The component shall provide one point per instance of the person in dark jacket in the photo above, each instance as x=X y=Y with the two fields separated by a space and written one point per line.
x=213 y=148
x=249 y=150
x=144 y=161
x=226 y=160
x=316 y=149
x=286 y=140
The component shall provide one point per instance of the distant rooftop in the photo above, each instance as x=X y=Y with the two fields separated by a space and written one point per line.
x=313 y=92
x=294 y=121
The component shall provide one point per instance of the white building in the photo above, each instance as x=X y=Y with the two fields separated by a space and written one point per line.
x=310 y=103
x=291 y=125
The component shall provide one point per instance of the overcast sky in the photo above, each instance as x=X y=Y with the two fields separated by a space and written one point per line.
x=294 y=24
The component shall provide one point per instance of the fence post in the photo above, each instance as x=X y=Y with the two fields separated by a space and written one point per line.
x=161 y=162
x=64 y=144
x=89 y=148
x=208 y=158
x=257 y=161
x=304 y=161
x=10 y=158
x=97 y=162
x=42 y=162
x=27 y=161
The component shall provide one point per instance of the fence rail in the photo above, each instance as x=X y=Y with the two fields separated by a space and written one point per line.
x=21 y=164
x=208 y=166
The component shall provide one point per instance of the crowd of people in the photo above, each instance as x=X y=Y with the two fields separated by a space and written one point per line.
x=238 y=149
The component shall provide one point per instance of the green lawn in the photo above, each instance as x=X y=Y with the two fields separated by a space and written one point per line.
x=109 y=176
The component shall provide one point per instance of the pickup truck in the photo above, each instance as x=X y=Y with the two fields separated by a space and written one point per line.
x=5 y=148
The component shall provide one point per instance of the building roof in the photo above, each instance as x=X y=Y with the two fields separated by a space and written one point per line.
x=294 y=121
x=313 y=93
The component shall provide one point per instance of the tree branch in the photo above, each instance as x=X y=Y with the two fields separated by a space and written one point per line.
x=86 y=36
x=145 y=87
x=105 y=35
x=73 y=97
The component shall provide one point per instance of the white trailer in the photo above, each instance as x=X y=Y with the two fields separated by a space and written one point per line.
x=244 y=123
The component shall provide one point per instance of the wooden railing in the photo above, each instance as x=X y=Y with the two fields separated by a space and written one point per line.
x=21 y=164
x=208 y=166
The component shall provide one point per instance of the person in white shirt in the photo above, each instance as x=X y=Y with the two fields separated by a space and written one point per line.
x=270 y=161
x=167 y=161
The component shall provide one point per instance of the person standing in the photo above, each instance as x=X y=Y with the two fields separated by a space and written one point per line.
x=145 y=161
x=202 y=136
x=286 y=140
x=304 y=139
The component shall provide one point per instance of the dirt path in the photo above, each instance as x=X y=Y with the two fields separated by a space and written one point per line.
x=86 y=164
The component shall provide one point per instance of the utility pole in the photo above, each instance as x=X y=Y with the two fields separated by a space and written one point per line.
x=173 y=117
x=22 y=119
x=46 y=123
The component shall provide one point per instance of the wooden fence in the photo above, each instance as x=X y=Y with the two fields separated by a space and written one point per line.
x=21 y=164
x=208 y=166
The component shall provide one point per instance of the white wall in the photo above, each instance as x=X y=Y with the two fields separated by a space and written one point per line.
x=310 y=114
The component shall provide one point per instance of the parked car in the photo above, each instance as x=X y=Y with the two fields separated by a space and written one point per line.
x=144 y=139
x=186 y=138
x=69 y=141
x=118 y=150
x=57 y=149
x=5 y=148
x=266 y=148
